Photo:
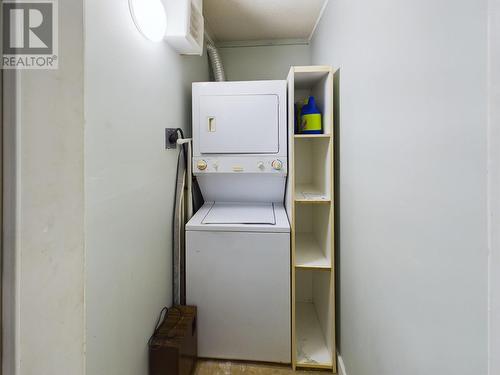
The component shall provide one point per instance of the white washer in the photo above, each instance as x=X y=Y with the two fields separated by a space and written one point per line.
x=238 y=254
x=238 y=274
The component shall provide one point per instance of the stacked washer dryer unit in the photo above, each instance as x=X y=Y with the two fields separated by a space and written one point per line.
x=238 y=243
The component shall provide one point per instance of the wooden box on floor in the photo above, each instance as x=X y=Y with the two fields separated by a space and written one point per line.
x=173 y=349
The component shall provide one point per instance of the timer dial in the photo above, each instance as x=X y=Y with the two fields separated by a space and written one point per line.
x=277 y=164
x=202 y=165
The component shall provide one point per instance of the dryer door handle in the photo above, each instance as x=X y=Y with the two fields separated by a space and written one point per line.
x=211 y=124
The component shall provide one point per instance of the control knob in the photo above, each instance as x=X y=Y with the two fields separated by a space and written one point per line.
x=277 y=164
x=202 y=165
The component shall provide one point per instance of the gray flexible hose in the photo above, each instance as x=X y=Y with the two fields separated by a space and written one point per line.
x=216 y=61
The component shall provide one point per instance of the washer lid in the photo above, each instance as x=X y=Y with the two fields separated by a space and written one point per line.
x=281 y=226
x=240 y=213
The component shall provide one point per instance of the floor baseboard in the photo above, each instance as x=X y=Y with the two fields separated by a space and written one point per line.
x=341 y=365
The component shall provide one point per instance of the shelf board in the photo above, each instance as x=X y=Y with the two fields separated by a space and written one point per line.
x=309 y=76
x=308 y=254
x=309 y=194
x=311 y=347
x=312 y=136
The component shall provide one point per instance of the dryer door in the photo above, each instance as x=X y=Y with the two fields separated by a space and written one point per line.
x=239 y=124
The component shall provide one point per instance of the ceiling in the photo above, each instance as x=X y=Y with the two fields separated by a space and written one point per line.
x=261 y=20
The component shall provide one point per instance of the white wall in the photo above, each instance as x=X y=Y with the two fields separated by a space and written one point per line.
x=262 y=62
x=133 y=90
x=413 y=156
x=494 y=183
x=49 y=310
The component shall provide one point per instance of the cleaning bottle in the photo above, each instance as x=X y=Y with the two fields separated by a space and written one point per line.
x=310 y=118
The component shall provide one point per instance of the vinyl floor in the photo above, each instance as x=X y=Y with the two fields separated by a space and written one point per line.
x=212 y=367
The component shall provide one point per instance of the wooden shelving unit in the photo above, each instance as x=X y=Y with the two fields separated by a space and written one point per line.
x=310 y=204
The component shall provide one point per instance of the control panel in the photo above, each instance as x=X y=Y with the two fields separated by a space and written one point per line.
x=247 y=164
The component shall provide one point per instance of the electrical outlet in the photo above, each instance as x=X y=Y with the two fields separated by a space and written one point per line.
x=168 y=133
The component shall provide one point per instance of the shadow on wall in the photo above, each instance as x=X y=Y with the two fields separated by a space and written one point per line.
x=337 y=208
x=191 y=65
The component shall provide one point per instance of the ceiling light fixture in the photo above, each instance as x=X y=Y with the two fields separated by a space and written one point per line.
x=149 y=18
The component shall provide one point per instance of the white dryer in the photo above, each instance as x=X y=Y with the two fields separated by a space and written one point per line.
x=238 y=243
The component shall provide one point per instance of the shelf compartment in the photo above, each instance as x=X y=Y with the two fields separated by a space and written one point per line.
x=318 y=83
x=308 y=253
x=313 y=172
x=313 y=323
x=309 y=193
x=313 y=236
x=311 y=345
x=312 y=136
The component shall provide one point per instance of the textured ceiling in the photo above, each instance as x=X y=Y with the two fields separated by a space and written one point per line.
x=254 y=20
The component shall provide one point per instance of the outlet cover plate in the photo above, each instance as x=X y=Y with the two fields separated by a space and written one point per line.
x=168 y=133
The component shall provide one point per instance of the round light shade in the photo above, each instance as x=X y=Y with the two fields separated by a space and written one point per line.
x=149 y=17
